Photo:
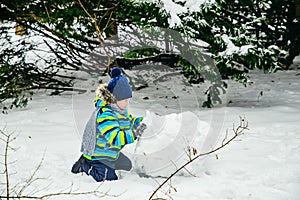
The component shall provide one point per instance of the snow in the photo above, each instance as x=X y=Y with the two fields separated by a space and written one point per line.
x=232 y=49
x=174 y=9
x=263 y=163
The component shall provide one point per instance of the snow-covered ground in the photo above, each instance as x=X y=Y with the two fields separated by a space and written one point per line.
x=263 y=163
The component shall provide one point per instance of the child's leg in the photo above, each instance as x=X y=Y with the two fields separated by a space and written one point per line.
x=123 y=163
x=99 y=171
x=76 y=168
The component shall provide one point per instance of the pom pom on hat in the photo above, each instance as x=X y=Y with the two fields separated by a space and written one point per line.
x=118 y=85
x=115 y=72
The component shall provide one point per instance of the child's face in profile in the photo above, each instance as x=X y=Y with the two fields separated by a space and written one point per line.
x=123 y=104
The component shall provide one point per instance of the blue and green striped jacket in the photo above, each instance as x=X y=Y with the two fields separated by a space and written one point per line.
x=114 y=131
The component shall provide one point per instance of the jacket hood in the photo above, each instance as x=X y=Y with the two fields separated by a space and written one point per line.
x=103 y=94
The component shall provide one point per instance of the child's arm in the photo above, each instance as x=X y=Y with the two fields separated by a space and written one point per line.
x=110 y=129
x=135 y=121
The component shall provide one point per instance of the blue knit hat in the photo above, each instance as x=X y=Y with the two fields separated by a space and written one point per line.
x=118 y=85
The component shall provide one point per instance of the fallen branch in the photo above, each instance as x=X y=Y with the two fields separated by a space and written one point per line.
x=17 y=192
x=237 y=132
x=94 y=192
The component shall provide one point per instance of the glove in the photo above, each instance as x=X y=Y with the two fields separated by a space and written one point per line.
x=140 y=129
x=137 y=122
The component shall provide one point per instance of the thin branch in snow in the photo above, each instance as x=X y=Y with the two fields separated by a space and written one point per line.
x=237 y=132
x=225 y=138
x=32 y=178
x=13 y=193
x=190 y=173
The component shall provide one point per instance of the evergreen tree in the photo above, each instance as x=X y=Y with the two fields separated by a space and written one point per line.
x=53 y=38
x=245 y=35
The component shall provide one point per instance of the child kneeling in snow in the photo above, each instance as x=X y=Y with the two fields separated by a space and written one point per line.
x=108 y=130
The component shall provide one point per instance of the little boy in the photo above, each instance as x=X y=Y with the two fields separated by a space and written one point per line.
x=108 y=130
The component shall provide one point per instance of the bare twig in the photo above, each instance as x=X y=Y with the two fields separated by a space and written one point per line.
x=14 y=193
x=94 y=192
x=237 y=131
x=7 y=140
x=225 y=138
x=100 y=31
x=32 y=178
x=190 y=173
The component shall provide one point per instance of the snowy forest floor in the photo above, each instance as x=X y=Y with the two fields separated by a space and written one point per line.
x=262 y=164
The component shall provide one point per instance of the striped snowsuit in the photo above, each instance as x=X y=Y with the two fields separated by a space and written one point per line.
x=114 y=131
